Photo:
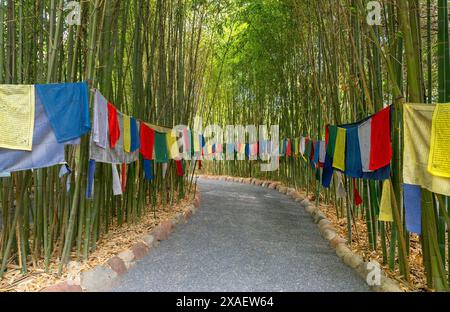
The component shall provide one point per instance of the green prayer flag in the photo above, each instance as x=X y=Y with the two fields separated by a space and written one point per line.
x=308 y=149
x=161 y=153
x=332 y=134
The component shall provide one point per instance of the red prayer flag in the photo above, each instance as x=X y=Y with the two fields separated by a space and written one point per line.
x=147 y=136
x=179 y=168
x=356 y=195
x=380 y=140
x=113 y=125
x=289 y=148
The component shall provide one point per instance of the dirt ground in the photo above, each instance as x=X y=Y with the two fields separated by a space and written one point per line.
x=110 y=244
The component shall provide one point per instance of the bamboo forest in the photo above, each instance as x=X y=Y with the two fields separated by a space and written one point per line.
x=270 y=138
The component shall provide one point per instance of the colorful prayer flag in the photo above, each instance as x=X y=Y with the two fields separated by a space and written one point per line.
x=439 y=159
x=413 y=208
x=380 y=139
x=339 y=149
x=172 y=145
x=67 y=108
x=417 y=121
x=364 y=138
x=100 y=120
x=126 y=133
x=179 y=166
x=161 y=152
x=46 y=151
x=386 y=203
x=148 y=169
x=113 y=126
x=17 y=110
x=147 y=136
x=135 y=140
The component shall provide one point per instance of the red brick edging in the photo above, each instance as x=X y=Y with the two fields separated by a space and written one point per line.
x=102 y=277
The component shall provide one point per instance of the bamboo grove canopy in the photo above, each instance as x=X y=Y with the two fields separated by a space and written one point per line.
x=304 y=65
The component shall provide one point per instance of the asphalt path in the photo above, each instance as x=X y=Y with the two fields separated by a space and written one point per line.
x=244 y=238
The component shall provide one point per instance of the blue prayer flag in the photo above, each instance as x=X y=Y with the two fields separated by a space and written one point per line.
x=413 y=208
x=148 y=170
x=135 y=139
x=67 y=108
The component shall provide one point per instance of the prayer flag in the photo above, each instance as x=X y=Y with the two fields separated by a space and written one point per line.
x=339 y=150
x=331 y=143
x=172 y=145
x=302 y=146
x=147 y=136
x=364 y=138
x=161 y=152
x=113 y=126
x=356 y=195
x=186 y=143
x=17 y=110
x=179 y=166
x=117 y=186
x=134 y=129
x=126 y=133
x=439 y=159
x=353 y=167
x=417 y=120
x=322 y=153
x=288 y=148
x=197 y=147
x=46 y=151
x=386 y=203
x=100 y=127
x=353 y=164
x=110 y=155
x=67 y=108
x=380 y=139
x=413 y=208
x=316 y=153
x=148 y=170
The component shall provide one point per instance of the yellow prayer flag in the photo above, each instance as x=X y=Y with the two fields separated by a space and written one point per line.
x=17 y=104
x=386 y=203
x=127 y=133
x=339 y=150
x=439 y=159
x=417 y=121
x=196 y=143
x=172 y=146
x=296 y=143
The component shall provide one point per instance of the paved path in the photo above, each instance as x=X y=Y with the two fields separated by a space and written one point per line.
x=243 y=238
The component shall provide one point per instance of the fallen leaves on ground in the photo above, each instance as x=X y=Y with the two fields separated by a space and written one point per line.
x=109 y=244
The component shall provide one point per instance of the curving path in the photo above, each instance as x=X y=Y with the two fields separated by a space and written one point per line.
x=243 y=238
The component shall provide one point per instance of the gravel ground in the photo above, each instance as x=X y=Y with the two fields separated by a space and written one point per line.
x=244 y=238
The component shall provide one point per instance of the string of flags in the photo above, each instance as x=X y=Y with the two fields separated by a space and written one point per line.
x=363 y=150
x=38 y=121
